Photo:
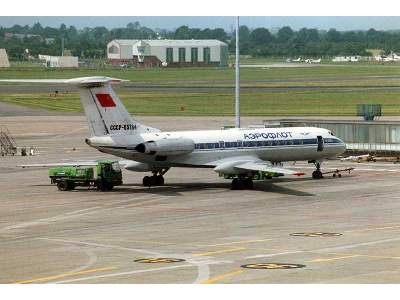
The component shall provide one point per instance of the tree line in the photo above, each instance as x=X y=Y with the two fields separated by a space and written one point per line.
x=258 y=42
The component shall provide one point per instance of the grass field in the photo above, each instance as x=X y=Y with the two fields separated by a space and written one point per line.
x=212 y=103
x=199 y=75
x=323 y=102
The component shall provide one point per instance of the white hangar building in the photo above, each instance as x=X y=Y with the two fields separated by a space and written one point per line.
x=172 y=53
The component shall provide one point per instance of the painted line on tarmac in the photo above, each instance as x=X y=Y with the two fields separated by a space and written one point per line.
x=203 y=271
x=238 y=242
x=123 y=274
x=211 y=253
x=80 y=213
x=68 y=274
x=331 y=259
x=64 y=216
x=222 y=277
x=100 y=245
x=373 y=229
x=351 y=246
x=273 y=254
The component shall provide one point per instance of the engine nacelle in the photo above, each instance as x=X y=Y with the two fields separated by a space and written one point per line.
x=137 y=167
x=166 y=147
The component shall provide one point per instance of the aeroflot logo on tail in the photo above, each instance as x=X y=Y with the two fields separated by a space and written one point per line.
x=105 y=100
x=270 y=135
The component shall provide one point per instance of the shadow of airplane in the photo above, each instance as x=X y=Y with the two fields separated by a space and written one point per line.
x=177 y=189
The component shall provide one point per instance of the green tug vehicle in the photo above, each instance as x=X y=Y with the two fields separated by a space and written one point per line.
x=104 y=176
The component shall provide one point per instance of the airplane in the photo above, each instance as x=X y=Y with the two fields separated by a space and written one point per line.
x=392 y=57
x=290 y=60
x=313 y=61
x=238 y=153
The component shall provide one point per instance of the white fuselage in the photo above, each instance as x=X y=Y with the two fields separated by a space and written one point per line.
x=212 y=146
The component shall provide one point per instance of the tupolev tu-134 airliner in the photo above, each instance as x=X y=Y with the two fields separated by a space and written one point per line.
x=237 y=153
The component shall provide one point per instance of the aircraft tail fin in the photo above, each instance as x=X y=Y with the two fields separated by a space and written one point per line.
x=104 y=111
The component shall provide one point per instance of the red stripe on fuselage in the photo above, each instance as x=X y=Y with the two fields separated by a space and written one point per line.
x=105 y=100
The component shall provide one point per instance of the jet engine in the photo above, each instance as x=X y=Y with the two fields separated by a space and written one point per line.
x=137 y=167
x=166 y=147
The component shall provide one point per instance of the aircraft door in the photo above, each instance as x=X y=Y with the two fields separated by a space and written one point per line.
x=320 y=143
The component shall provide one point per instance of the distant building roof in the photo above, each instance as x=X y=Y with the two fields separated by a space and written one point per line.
x=172 y=42
x=125 y=42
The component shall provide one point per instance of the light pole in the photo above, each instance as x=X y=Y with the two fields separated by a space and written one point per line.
x=237 y=78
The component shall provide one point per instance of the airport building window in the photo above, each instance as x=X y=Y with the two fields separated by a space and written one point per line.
x=195 y=55
x=182 y=55
x=169 y=55
x=206 y=55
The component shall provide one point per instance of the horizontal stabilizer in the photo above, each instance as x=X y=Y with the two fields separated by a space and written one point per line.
x=79 y=81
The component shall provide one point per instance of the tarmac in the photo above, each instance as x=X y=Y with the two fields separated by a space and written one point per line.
x=194 y=229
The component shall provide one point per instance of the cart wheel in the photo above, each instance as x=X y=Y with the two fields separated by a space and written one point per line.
x=334 y=175
x=340 y=175
x=257 y=176
x=62 y=185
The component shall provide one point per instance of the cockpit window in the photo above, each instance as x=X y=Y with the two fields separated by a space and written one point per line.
x=331 y=133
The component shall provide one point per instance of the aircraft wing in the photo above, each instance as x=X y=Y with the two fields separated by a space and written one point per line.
x=249 y=163
x=266 y=167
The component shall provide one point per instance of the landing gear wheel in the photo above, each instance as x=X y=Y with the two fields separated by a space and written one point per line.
x=159 y=180
x=317 y=174
x=147 y=181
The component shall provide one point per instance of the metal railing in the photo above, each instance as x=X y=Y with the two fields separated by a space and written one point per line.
x=8 y=146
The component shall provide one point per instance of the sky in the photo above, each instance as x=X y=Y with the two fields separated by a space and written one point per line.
x=340 y=23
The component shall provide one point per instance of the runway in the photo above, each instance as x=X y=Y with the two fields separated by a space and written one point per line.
x=194 y=229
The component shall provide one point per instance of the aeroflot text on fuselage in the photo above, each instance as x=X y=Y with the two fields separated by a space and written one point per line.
x=270 y=135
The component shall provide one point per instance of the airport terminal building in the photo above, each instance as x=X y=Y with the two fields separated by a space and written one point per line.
x=168 y=53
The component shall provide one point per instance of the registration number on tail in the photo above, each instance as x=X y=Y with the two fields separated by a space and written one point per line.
x=122 y=127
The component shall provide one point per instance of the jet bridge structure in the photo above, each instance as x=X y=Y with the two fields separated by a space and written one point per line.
x=373 y=137
x=7 y=143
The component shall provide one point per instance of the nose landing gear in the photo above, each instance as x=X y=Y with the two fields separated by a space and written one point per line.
x=317 y=174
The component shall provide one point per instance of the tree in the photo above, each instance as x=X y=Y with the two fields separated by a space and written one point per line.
x=333 y=36
x=285 y=34
x=182 y=33
x=261 y=36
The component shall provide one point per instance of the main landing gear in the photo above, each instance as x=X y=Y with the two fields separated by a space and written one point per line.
x=242 y=183
x=317 y=174
x=156 y=180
